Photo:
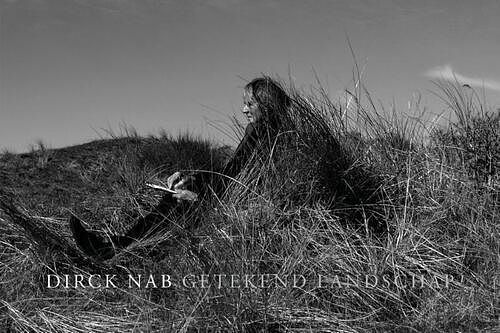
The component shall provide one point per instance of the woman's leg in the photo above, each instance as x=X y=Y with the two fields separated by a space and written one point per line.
x=105 y=248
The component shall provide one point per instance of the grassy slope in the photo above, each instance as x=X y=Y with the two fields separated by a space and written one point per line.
x=309 y=210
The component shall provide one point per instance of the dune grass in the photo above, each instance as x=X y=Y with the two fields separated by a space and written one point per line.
x=348 y=194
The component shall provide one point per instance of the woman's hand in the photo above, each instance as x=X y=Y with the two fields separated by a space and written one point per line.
x=179 y=183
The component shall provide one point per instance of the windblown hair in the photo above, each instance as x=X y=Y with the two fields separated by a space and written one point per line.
x=274 y=103
x=269 y=94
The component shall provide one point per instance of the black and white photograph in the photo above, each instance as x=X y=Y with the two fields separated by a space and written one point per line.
x=249 y=166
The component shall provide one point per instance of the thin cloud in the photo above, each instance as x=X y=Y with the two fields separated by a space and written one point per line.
x=446 y=72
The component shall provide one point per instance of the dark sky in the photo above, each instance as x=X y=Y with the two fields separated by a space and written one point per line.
x=71 y=67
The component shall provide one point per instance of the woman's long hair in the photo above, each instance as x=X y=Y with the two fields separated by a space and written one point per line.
x=271 y=98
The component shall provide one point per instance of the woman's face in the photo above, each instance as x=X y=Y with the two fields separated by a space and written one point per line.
x=251 y=108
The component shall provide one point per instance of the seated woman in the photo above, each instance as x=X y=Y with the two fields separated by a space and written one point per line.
x=264 y=104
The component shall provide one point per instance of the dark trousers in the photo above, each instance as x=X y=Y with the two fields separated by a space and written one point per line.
x=94 y=245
